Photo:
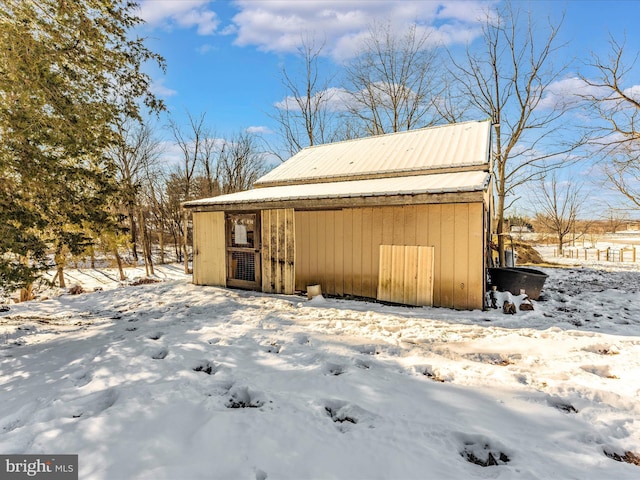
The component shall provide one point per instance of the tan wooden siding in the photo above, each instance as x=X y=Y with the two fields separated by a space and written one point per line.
x=209 y=254
x=278 y=251
x=406 y=275
x=352 y=252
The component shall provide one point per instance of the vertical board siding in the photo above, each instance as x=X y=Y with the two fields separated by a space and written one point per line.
x=447 y=254
x=340 y=250
x=209 y=249
x=278 y=251
x=461 y=256
x=405 y=275
x=477 y=261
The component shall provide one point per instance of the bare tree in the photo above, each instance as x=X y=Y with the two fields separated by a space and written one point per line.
x=304 y=116
x=135 y=153
x=191 y=144
x=618 y=107
x=507 y=80
x=210 y=153
x=558 y=207
x=392 y=83
x=615 y=220
x=240 y=163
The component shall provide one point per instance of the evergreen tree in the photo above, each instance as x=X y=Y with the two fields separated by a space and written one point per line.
x=69 y=70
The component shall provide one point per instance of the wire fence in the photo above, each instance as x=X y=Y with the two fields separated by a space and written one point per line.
x=600 y=255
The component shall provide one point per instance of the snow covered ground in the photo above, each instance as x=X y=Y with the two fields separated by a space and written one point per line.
x=175 y=381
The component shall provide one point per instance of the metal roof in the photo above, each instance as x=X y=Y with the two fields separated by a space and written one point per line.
x=456 y=145
x=409 y=185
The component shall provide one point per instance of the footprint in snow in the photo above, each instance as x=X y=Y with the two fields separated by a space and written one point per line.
x=480 y=450
x=160 y=354
x=345 y=415
x=243 y=397
x=81 y=378
x=92 y=404
x=362 y=364
x=334 y=369
x=205 y=366
x=155 y=336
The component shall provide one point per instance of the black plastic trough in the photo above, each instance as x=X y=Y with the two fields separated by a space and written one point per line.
x=514 y=279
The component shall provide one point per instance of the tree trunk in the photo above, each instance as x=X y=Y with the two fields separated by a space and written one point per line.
x=60 y=261
x=161 y=241
x=119 y=262
x=560 y=243
x=134 y=233
x=146 y=253
x=500 y=228
x=60 y=274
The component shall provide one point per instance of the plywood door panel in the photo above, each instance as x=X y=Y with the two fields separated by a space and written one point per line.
x=406 y=274
x=424 y=281
x=209 y=254
x=411 y=273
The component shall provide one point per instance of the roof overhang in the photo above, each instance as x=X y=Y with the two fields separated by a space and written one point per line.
x=459 y=187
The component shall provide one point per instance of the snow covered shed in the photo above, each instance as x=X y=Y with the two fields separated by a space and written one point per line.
x=402 y=217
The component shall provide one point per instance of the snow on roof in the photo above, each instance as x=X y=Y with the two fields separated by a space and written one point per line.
x=410 y=185
x=449 y=146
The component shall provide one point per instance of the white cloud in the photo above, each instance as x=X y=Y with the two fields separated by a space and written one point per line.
x=158 y=88
x=564 y=93
x=279 y=25
x=334 y=99
x=181 y=13
x=260 y=130
x=206 y=48
x=571 y=91
x=633 y=92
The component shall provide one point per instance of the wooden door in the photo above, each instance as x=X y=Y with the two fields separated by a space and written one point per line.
x=243 y=250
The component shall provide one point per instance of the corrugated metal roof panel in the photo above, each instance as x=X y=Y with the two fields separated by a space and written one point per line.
x=411 y=185
x=456 y=145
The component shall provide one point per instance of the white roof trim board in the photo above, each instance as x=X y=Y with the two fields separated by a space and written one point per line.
x=411 y=185
x=456 y=145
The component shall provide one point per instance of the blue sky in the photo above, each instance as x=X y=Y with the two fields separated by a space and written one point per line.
x=224 y=58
